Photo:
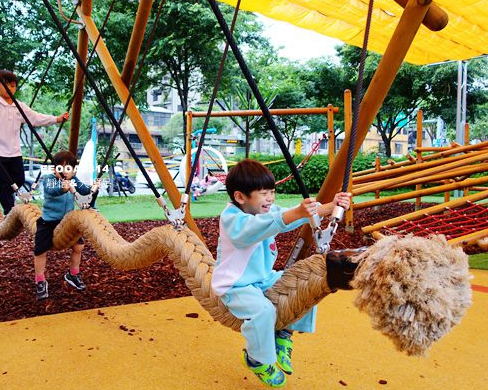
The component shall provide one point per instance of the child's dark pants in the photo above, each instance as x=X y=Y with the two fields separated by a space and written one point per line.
x=15 y=168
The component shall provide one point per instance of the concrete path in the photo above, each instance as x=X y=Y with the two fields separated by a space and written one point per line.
x=165 y=345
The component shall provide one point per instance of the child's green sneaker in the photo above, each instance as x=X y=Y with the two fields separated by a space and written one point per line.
x=268 y=374
x=284 y=346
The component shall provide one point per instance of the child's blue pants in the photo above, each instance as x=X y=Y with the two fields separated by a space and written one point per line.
x=259 y=314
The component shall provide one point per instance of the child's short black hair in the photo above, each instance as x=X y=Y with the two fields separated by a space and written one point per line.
x=248 y=176
x=7 y=76
x=65 y=157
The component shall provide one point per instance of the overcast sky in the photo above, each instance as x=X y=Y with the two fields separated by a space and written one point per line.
x=298 y=43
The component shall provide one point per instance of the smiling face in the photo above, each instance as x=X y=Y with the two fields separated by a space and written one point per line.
x=258 y=201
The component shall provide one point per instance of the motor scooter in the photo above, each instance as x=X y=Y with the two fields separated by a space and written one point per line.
x=122 y=182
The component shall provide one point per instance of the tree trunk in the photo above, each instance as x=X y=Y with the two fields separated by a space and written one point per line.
x=388 y=148
x=248 y=98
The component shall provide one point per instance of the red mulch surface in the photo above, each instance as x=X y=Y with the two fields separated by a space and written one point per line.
x=107 y=286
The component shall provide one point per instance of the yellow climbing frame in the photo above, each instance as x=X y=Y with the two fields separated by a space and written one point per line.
x=465 y=36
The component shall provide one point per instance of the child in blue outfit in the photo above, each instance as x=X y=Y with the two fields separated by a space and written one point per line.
x=244 y=269
x=58 y=201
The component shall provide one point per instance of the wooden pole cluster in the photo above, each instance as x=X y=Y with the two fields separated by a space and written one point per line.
x=330 y=110
x=448 y=168
x=133 y=112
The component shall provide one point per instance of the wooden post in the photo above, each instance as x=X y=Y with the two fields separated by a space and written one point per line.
x=330 y=128
x=383 y=78
x=349 y=217
x=418 y=187
x=447 y=194
x=377 y=167
x=136 y=39
x=86 y=9
x=466 y=142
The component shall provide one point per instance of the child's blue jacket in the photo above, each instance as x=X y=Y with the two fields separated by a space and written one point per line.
x=58 y=203
x=247 y=249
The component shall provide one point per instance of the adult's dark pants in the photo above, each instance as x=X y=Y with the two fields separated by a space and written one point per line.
x=15 y=168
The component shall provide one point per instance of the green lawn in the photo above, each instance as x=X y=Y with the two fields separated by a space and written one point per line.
x=143 y=207
x=479 y=261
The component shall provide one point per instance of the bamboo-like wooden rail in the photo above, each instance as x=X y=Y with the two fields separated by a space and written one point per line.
x=273 y=111
x=430 y=210
x=431 y=179
x=412 y=160
x=422 y=192
x=437 y=168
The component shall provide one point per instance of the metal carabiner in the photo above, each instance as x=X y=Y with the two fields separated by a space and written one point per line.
x=83 y=201
x=323 y=238
x=177 y=216
x=25 y=197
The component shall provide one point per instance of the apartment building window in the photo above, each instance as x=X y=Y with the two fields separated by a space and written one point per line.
x=381 y=147
x=159 y=141
x=135 y=141
x=398 y=148
x=323 y=144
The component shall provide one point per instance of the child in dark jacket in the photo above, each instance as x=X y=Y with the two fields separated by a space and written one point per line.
x=58 y=201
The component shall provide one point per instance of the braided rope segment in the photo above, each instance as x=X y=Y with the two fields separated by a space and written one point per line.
x=302 y=286
x=20 y=217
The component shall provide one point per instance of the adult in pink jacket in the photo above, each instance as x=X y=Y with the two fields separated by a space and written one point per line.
x=10 y=152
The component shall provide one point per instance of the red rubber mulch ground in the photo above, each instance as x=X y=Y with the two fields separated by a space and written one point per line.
x=107 y=286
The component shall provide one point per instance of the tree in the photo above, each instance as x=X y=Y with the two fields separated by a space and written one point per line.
x=189 y=46
x=414 y=87
x=171 y=133
x=324 y=83
x=284 y=79
x=245 y=101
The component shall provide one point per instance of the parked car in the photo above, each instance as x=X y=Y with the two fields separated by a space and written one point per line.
x=173 y=166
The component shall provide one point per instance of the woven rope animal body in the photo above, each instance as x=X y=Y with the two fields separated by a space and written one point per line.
x=301 y=287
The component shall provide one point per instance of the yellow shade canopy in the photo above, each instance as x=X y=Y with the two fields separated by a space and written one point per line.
x=464 y=37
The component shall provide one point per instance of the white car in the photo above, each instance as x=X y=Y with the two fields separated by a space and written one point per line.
x=173 y=166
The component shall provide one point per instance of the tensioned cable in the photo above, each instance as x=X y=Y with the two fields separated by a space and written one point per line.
x=259 y=98
x=80 y=82
x=41 y=83
x=101 y=98
x=357 y=100
x=135 y=79
x=51 y=61
x=212 y=100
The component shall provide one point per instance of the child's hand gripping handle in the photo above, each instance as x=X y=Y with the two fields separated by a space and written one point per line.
x=324 y=237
